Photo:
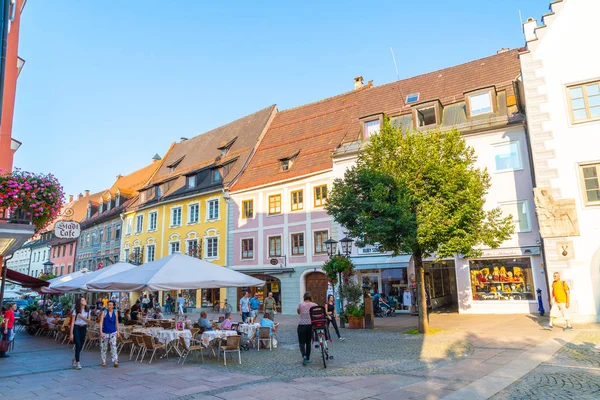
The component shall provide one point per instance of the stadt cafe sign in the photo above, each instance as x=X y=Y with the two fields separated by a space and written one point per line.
x=67 y=229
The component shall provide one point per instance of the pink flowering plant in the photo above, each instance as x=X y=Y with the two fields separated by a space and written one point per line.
x=32 y=196
x=339 y=265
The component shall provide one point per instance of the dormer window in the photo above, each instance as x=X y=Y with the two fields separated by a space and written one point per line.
x=480 y=101
x=372 y=128
x=216 y=175
x=427 y=115
x=158 y=191
x=191 y=181
x=100 y=207
x=225 y=146
x=108 y=204
x=286 y=163
x=143 y=196
x=173 y=166
x=118 y=200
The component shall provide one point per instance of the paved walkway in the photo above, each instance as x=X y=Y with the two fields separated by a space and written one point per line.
x=508 y=357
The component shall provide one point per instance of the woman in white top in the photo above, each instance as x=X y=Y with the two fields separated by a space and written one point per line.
x=79 y=324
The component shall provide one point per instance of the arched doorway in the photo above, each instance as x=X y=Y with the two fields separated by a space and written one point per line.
x=272 y=285
x=316 y=284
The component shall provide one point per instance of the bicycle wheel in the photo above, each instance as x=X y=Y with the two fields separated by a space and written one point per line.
x=323 y=350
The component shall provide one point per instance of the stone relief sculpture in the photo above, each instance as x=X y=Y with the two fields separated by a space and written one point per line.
x=557 y=218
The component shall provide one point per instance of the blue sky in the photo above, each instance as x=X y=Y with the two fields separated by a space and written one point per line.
x=106 y=85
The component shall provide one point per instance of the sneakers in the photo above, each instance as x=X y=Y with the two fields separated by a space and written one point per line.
x=341 y=339
x=549 y=327
x=569 y=328
x=308 y=361
x=304 y=360
x=73 y=364
x=116 y=364
x=78 y=367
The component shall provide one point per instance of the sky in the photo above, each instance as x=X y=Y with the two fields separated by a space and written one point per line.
x=107 y=85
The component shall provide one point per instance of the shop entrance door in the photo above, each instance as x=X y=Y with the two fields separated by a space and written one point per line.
x=316 y=284
x=440 y=283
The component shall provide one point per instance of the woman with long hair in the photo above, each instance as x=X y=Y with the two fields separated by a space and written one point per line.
x=109 y=331
x=305 y=327
x=81 y=318
x=330 y=311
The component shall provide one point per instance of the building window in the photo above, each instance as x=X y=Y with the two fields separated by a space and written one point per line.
x=507 y=157
x=101 y=236
x=213 y=209
x=502 y=279
x=248 y=209
x=480 y=103
x=191 y=181
x=275 y=246
x=176 y=216
x=320 y=195
x=152 y=218
x=118 y=232
x=298 y=244
x=320 y=239
x=426 y=116
x=412 y=98
x=247 y=248
x=216 y=175
x=128 y=227
x=520 y=214
x=591 y=183
x=158 y=191
x=192 y=248
x=297 y=200
x=150 y=250
x=139 y=224
x=174 y=247
x=584 y=102
x=372 y=127
x=286 y=164
x=193 y=211
x=108 y=234
x=125 y=255
x=71 y=249
x=275 y=204
x=212 y=247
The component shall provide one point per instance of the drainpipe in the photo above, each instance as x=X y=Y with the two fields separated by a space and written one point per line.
x=4 y=23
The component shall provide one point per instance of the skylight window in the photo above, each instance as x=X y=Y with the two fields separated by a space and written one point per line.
x=412 y=98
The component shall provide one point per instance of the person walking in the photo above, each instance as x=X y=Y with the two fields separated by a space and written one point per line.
x=180 y=303
x=168 y=304
x=561 y=301
x=81 y=318
x=305 y=327
x=270 y=306
x=331 y=316
x=8 y=325
x=109 y=331
x=254 y=306
x=245 y=307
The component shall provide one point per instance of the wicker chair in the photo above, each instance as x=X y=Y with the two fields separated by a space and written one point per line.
x=91 y=337
x=149 y=344
x=232 y=346
x=138 y=343
x=265 y=335
x=186 y=350
x=165 y=324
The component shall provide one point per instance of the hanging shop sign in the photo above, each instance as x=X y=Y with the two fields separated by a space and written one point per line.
x=67 y=229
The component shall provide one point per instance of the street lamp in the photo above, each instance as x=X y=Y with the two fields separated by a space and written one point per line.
x=48 y=267
x=346 y=244
x=331 y=246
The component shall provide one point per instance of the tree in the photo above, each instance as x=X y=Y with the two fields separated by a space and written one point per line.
x=418 y=193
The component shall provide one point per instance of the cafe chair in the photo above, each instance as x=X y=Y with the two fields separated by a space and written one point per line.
x=150 y=345
x=186 y=350
x=232 y=346
x=264 y=335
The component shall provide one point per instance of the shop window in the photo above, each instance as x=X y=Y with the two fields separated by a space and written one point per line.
x=210 y=297
x=394 y=281
x=502 y=279
x=507 y=157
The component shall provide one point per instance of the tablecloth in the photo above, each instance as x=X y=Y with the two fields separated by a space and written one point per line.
x=209 y=336
x=248 y=329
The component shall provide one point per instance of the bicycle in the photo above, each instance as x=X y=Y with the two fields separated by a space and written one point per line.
x=320 y=332
x=226 y=308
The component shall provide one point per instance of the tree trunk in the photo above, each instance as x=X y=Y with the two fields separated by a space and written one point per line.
x=422 y=298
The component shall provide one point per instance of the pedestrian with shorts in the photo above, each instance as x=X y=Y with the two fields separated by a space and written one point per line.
x=8 y=325
x=245 y=307
x=79 y=323
x=254 y=305
x=270 y=306
x=305 y=327
x=331 y=316
x=109 y=331
x=561 y=301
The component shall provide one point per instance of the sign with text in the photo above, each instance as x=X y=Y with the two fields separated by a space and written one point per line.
x=67 y=229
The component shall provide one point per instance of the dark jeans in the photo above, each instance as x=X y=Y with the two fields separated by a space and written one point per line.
x=79 y=332
x=245 y=315
x=334 y=322
x=6 y=336
x=304 y=339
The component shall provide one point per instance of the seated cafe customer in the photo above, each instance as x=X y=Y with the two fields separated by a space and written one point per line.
x=226 y=324
x=157 y=314
x=267 y=321
x=204 y=322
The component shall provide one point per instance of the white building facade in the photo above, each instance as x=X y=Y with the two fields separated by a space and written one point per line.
x=561 y=78
x=20 y=260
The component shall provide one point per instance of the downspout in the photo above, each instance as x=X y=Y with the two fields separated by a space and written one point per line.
x=4 y=22
x=4 y=272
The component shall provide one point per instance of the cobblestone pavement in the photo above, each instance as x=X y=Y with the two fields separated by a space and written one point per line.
x=572 y=373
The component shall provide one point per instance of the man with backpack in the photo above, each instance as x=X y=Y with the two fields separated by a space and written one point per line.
x=561 y=300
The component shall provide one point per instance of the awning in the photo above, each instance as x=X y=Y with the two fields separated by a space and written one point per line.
x=25 y=280
x=381 y=262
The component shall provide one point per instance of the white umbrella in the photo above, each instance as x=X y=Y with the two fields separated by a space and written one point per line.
x=50 y=289
x=80 y=284
x=175 y=272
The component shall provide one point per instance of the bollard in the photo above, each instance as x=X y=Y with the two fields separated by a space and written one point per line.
x=540 y=302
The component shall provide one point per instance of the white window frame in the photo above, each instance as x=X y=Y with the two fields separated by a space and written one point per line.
x=190 y=221
x=303 y=254
x=139 y=223
x=242 y=258
x=153 y=215
x=171 y=244
x=148 y=246
x=491 y=102
x=187 y=245
x=208 y=210
x=128 y=228
x=281 y=241
x=519 y=203
x=583 y=189
x=126 y=253
x=498 y=146
x=191 y=181
x=206 y=241
x=173 y=222
x=369 y=123
x=314 y=242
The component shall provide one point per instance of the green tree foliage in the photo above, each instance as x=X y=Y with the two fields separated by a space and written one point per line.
x=418 y=193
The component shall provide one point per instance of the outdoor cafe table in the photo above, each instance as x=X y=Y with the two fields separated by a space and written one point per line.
x=249 y=329
x=209 y=336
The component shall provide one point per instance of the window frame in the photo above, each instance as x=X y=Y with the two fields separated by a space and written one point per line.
x=519 y=203
x=519 y=152
x=191 y=181
x=370 y=118
x=582 y=182
x=269 y=246
x=139 y=223
x=190 y=213
x=324 y=251
x=209 y=210
x=148 y=246
x=172 y=222
x=248 y=250
x=323 y=200
x=207 y=240
x=128 y=228
x=269 y=204
x=299 y=236
x=171 y=245
x=299 y=205
x=437 y=106
x=216 y=172
x=245 y=215
x=581 y=85
x=491 y=91
x=150 y=220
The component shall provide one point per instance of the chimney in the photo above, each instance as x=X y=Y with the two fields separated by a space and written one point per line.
x=502 y=50
x=358 y=82
x=86 y=193
x=529 y=29
x=70 y=198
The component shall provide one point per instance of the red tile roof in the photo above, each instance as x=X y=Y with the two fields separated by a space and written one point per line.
x=316 y=129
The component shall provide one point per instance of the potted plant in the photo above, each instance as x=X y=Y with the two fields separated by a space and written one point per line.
x=355 y=311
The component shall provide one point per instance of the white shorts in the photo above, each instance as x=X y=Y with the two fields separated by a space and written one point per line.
x=558 y=309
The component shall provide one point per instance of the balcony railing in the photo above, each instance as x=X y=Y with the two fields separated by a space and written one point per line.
x=15 y=217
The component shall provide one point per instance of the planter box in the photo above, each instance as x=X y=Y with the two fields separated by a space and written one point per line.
x=356 y=322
